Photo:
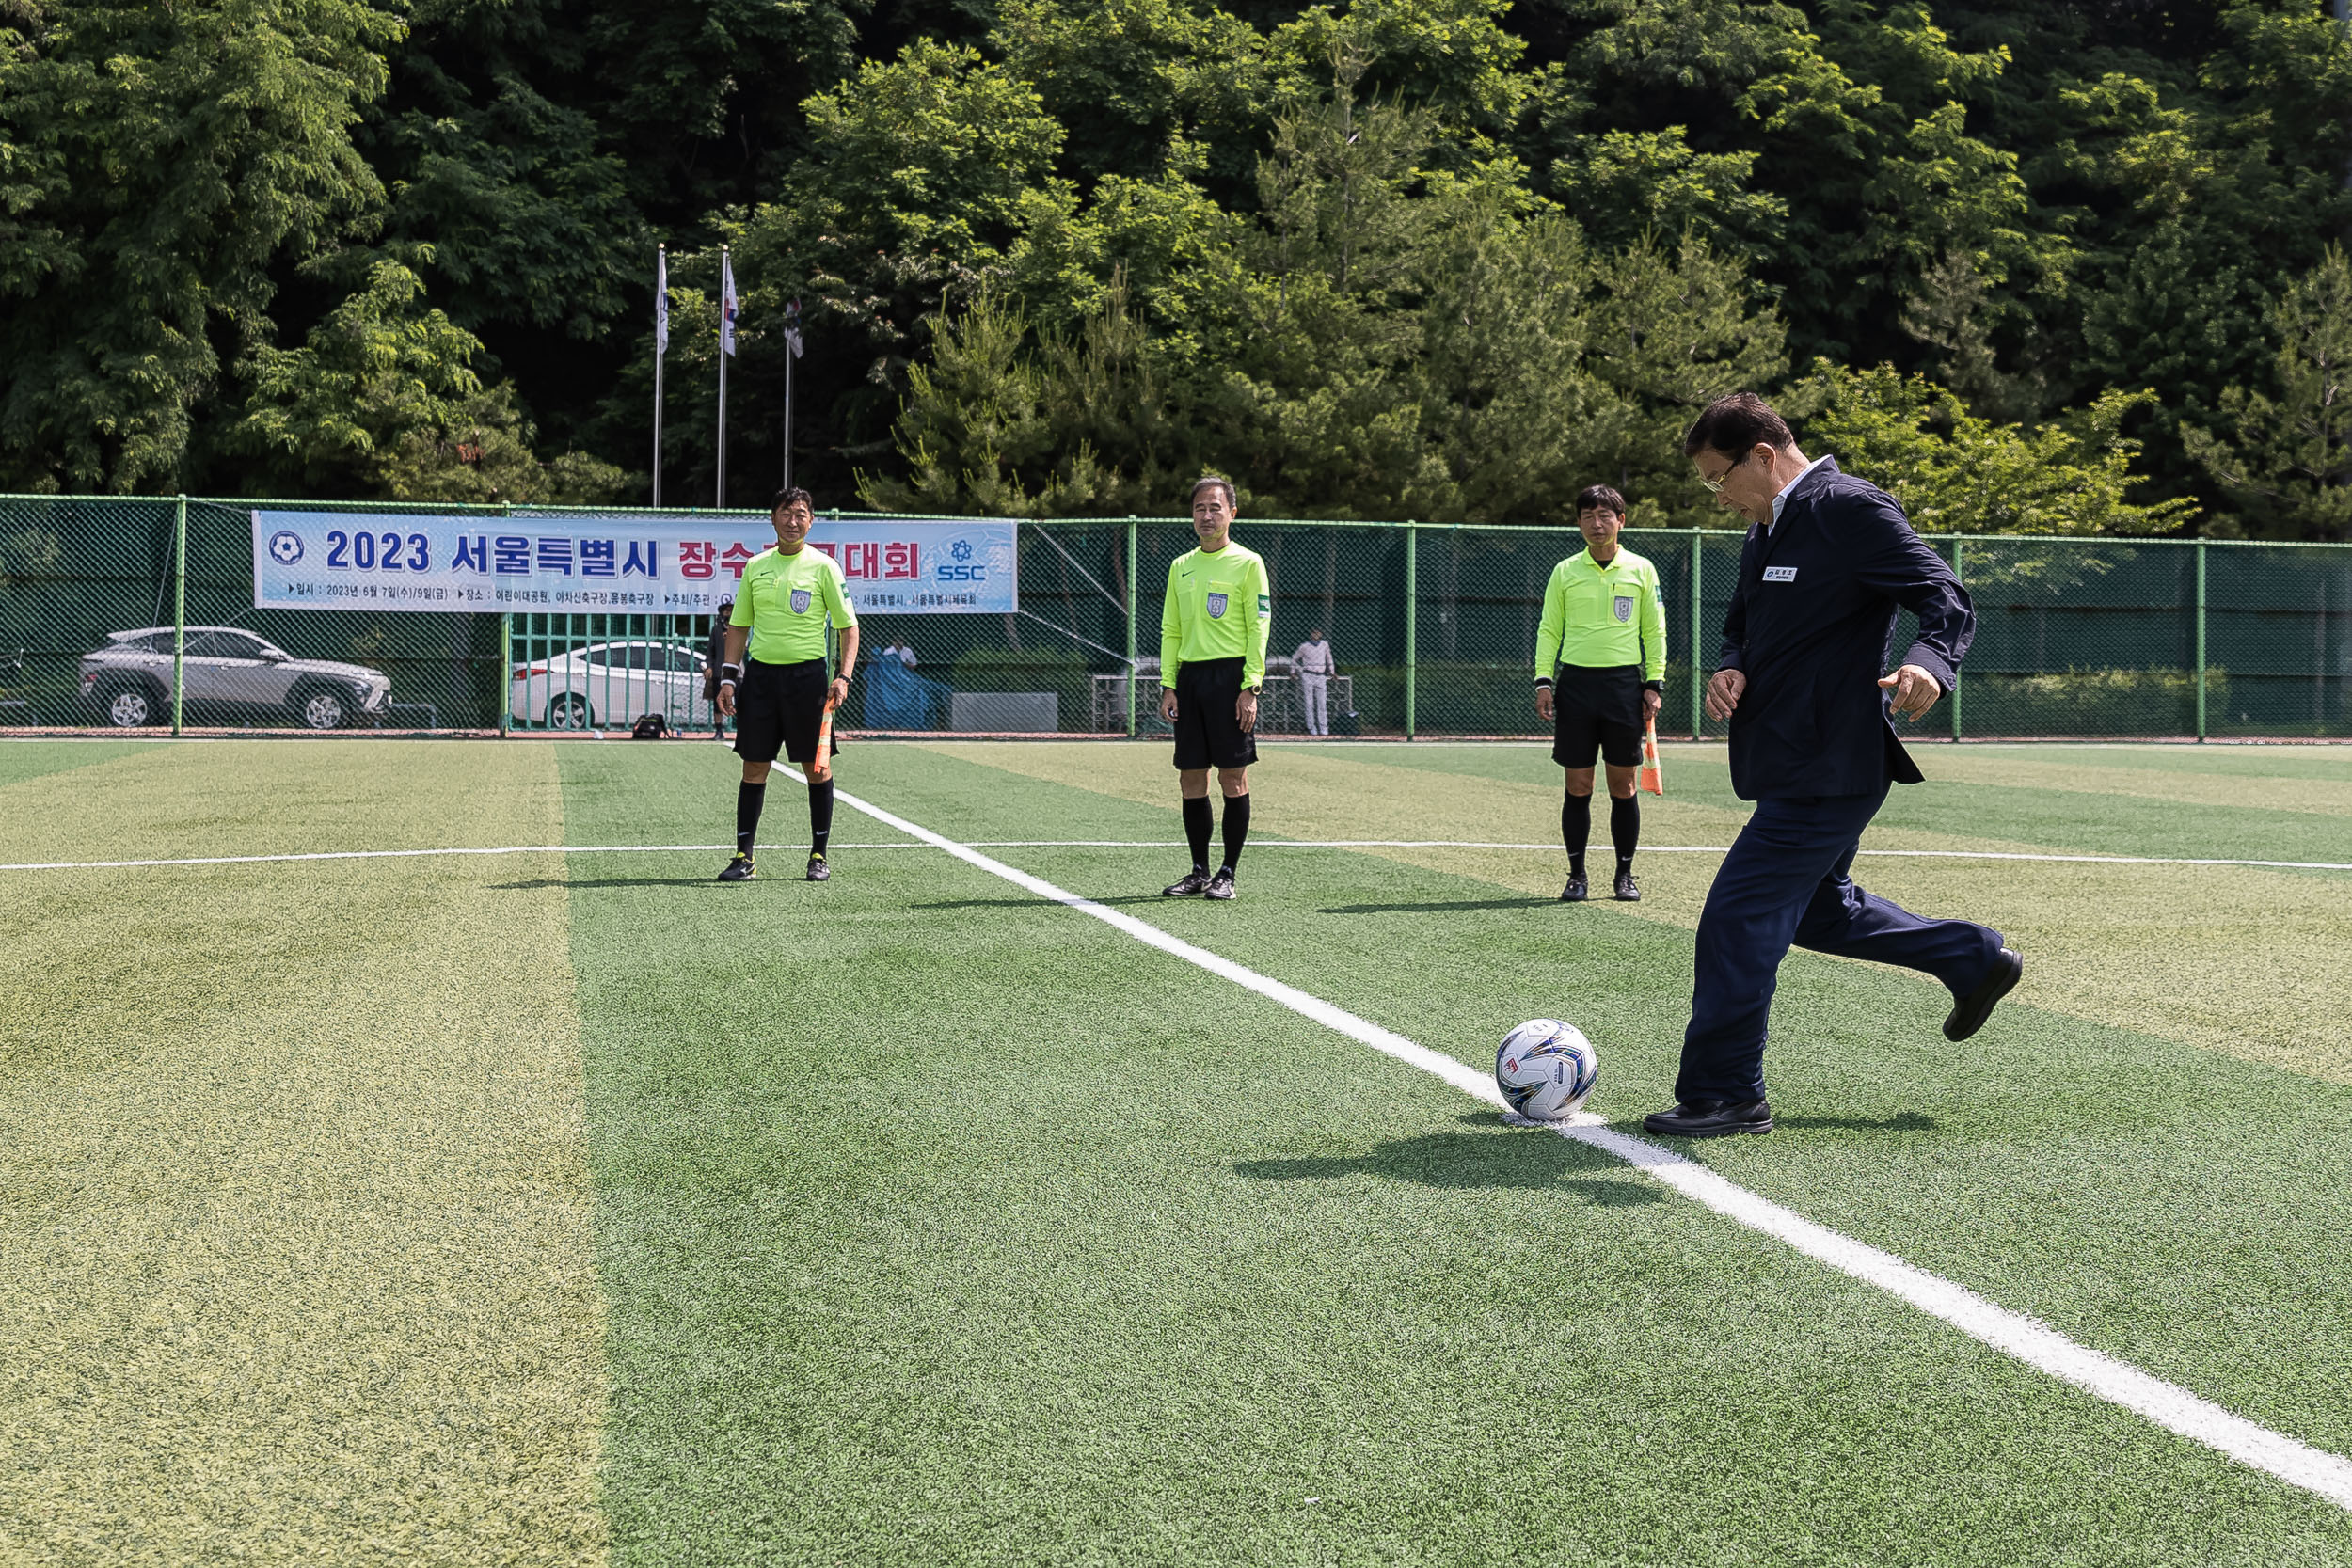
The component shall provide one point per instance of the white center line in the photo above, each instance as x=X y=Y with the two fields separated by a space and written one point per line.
x=2036 y=1344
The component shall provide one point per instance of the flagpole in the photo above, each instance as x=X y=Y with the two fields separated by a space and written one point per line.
x=660 y=352
x=787 y=422
x=726 y=279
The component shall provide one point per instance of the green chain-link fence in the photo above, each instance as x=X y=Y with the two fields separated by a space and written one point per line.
x=137 y=613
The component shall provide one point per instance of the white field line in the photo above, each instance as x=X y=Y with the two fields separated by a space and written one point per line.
x=1127 y=844
x=2036 y=1344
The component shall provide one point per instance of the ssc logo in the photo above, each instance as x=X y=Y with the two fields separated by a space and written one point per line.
x=1625 y=608
x=1216 y=607
x=800 y=598
x=285 y=546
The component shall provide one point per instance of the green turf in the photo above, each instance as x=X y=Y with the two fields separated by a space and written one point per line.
x=21 y=761
x=940 y=1225
x=935 y=1224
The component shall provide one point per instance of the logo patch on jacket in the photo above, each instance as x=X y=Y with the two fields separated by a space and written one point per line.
x=801 y=600
x=1625 y=608
x=1780 y=574
x=1216 y=607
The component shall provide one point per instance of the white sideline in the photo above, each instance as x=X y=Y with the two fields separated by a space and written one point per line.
x=2037 y=1344
x=1131 y=844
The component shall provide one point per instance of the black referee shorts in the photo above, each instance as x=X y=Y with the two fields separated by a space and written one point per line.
x=1207 y=733
x=1596 y=710
x=779 y=707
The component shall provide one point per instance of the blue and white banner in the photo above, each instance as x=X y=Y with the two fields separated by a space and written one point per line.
x=619 y=565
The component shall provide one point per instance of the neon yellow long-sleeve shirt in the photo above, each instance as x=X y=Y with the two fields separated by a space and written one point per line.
x=1218 y=607
x=1602 y=617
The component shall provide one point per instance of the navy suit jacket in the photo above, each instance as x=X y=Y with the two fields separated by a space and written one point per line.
x=1811 y=624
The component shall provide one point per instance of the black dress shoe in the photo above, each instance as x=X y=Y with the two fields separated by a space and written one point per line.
x=1627 y=892
x=1711 y=1118
x=1969 y=1013
x=1575 y=891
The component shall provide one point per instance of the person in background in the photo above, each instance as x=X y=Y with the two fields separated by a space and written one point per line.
x=715 y=655
x=1313 y=662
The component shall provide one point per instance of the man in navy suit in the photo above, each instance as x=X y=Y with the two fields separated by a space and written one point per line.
x=1828 y=560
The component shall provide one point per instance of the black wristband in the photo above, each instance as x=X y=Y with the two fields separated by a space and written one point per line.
x=730 y=673
x=1659 y=687
x=1542 y=683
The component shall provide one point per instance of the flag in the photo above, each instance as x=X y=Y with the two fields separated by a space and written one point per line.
x=792 y=328
x=1651 y=778
x=728 y=304
x=662 y=300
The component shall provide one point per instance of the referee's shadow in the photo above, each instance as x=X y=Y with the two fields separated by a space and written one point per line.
x=1476 y=1162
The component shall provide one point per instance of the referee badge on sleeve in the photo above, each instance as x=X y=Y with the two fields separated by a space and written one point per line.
x=801 y=598
x=1216 y=607
x=1625 y=606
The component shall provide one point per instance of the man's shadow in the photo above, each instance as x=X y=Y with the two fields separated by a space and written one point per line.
x=1455 y=904
x=603 y=882
x=1537 y=1161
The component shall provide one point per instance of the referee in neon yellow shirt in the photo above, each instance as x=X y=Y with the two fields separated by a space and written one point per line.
x=1601 y=669
x=790 y=594
x=1213 y=631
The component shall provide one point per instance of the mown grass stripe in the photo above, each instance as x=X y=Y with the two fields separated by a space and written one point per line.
x=2168 y=1405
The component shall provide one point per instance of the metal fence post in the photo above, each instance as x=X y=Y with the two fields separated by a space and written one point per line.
x=1698 y=671
x=1957 y=546
x=1133 y=563
x=506 y=674
x=1412 y=621
x=2200 y=641
x=179 y=609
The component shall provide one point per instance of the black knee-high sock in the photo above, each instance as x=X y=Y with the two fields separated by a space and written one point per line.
x=1236 y=828
x=1576 y=827
x=820 y=815
x=1199 y=819
x=1625 y=826
x=748 y=799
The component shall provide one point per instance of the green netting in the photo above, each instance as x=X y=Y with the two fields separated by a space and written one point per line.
x=1433 y=627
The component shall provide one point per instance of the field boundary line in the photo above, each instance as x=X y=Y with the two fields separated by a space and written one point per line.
x=2035 y=1344
x=1131 y=844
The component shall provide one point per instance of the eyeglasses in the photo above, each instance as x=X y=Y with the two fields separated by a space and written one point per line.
x=1715 y=486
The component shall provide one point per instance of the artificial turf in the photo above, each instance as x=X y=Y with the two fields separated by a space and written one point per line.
x=911 y=1219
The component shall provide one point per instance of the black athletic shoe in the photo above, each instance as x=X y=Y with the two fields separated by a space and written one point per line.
x=1221 y=885
x=1627 y=892
x=739 y=870
x=1710 y=1118
x=1193 y=886
x=817 y=870
x=1970 y=1011
x=1575 y=893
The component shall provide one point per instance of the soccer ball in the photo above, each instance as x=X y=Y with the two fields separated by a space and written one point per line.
x=1546 y=1068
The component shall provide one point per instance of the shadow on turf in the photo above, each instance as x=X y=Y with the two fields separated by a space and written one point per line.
x=1032 y=903
x=602 y=881
x=1474 y=1160
x=1453 y=904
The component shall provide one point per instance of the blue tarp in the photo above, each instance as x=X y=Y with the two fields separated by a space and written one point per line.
x=899 y=699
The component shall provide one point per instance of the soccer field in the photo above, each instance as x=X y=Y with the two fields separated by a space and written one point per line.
x=555 y=1204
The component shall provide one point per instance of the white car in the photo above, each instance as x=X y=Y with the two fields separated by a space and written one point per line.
x=610 y=685
x=223 y=668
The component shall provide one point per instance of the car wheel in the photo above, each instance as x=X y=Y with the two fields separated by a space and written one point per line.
x=320 y=707
x=569 y=712
x=130 y=705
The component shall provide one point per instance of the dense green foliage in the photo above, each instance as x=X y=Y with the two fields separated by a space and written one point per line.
x=1401 y=258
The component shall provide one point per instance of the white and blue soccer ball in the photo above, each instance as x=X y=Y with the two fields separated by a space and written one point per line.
x=1546 y=1068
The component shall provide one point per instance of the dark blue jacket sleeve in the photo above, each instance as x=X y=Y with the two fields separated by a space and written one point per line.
x=1734 y=651
x=1894 y=559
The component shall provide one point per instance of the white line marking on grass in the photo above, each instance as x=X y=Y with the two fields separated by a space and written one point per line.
x=1123 y=844
x=2036 y=1344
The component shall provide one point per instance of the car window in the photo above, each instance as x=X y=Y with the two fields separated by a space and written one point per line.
x=153 y=642
x=686 y=659
x=218 y=644
x=644 y=656
x=599 y=656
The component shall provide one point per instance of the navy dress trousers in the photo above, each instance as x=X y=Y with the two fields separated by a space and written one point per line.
x=1811 y=624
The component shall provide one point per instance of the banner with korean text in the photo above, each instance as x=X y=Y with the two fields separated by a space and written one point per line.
x=645 y=563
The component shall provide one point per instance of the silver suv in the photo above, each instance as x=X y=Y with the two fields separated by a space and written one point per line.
x=130 y=679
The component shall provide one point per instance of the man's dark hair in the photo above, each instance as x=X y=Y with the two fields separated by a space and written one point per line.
x=1601 y=498
x=786 y=498
x=1232 y=500
x=1735 y=424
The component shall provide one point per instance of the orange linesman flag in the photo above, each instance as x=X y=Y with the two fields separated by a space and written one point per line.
x=1650 y=777
x=820 y=767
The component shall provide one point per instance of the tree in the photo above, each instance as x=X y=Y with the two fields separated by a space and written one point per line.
x=2287 y=459
x=164 y=166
